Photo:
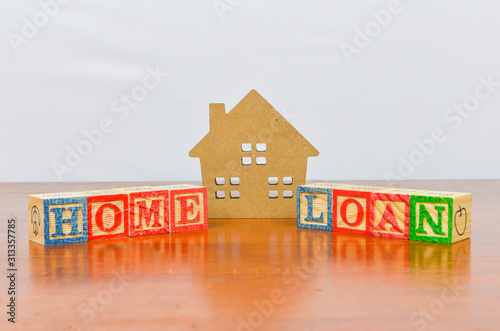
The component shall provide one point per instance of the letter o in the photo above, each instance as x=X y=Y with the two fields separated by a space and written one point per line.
x=139 y=93
x=359 y=214
x=471 y=103
x=99 y=215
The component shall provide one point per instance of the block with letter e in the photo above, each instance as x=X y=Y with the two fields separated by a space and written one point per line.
x=188 y=208
x=314 y=207
x=390 y=213
x=443 y=217
x=58 y=218
x=352 y=208
x=107 y=214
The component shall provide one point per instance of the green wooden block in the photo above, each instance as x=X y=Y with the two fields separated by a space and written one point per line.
x=442 y=217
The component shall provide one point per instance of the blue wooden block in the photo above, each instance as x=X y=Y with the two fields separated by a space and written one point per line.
x=314 y=208
x=56 y=219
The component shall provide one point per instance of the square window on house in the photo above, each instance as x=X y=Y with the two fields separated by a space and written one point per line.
x=246 y=161
x=220 y=194
x=235 y=180
x=273 y=180
x=287 y=194
x=235 y=194
x=220 y=180
x=273 y=194
x=261 y=160
x=261 y=147
x=288 y=180
x=246 y=147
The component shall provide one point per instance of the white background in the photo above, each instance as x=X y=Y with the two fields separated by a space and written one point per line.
x=363 y=115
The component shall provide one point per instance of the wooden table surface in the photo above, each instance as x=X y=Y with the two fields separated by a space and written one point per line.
x=255 y=275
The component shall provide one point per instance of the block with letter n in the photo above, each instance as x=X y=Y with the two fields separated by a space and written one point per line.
x=59 y=218
x=314 y=207
x=443 y=217
x=108 y=214
x=188 y=208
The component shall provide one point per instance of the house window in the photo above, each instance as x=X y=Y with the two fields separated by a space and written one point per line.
x=235 y=194
x=261 y=160
x=273 y=180
x=273 y=194
x=220 y=194
x=235 y=180
x=288 y=180
x=246 y=160
x=246 y=147
x=261 y=147
x=287 y=194
x=220 y=180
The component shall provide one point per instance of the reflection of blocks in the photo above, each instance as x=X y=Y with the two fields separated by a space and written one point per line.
x=351 y=212
x=108 y=215
x=443 y=217
x=314 y=208
x=390 y=213
x=57 y=218
x=188 y=209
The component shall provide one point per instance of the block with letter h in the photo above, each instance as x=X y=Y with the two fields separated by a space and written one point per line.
x=443 y=217
x=63 y=218
x=59 y=218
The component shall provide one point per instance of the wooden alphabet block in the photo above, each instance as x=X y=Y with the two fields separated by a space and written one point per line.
x=148 y=210
x=443 y=217
x=108 y=215
x=314 y=207
x=390 y=213
x=352 y=208
x=59 y=218
x=188 y=209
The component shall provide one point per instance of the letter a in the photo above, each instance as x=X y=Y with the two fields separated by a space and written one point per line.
x=389 y=217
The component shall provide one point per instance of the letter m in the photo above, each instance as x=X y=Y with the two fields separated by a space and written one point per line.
x=147 y=214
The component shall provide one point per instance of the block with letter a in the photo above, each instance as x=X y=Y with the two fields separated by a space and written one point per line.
x=390 y=213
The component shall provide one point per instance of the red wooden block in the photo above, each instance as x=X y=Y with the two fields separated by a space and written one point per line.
x=149 y=212
x=107 y=215
x=188 y=209
x=351 y=211
x=390 y=214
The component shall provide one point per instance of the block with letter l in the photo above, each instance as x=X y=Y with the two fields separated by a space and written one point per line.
x=59 y=218
x=314 y=207
x=443 y=217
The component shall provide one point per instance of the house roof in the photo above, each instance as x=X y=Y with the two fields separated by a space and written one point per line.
x=252 y=113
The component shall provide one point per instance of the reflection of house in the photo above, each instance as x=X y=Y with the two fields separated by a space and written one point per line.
x=252 y=161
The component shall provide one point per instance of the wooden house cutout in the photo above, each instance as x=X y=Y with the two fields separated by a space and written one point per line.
x=252 y=161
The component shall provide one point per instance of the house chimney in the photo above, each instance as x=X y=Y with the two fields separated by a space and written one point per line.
x=217 y=113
